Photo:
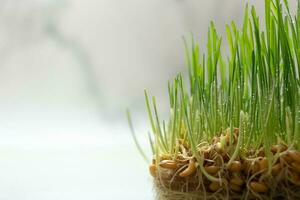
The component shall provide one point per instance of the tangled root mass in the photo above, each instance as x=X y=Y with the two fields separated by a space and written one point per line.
x=251 y=175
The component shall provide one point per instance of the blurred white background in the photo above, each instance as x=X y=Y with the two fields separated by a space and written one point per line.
x=68 y=70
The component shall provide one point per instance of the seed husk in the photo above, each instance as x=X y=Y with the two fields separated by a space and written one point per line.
x=263 y=164
x=219 y=148
x=227 y=138
x=235 y=135
x=191 y=169
x=245 y=166
x=295 y=155
x=278 y=148
x=276 y=169
x=261 y=153
x=254 y=167
x=235 y=187
x=215 y=140
x=168 y=164
x=259 y=187
x=251 y=167
x=287 y=158
x=236 y=166
x=181 y=160
x=218 y=161
x=214 y=186
x=296 y=167
x=153 y=170
x=295 y=178
x=237 y=181
x=211 y=169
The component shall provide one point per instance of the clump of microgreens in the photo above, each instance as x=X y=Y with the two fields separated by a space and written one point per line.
x=248 y=101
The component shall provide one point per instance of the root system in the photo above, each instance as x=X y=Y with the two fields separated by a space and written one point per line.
x=249 y=176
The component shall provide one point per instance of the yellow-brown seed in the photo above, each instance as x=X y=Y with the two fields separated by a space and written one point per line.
x=295 y=155
x=218 y=161
x=235 y=187
x=219 y=148
x=235 y=166
x=227 y=135
x=181 y=160
x=152 y=169
x=215 y=140
x=236 y=134
x=214 y=186
x=226 y=138
x=237 y=181
x=296 y=167
x=295 y=178
x=169 y=164
x=278 y=148
x=259 y=187
x=211 y=169
x=261 y=153
x=287 y=158
x=191 y=169
x=276 y=169
x=251 y=167
x=245 y=166
x=254 y=167
x=263 y=164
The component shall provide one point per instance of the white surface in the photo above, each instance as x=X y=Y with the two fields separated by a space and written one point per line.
x=77 y=158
